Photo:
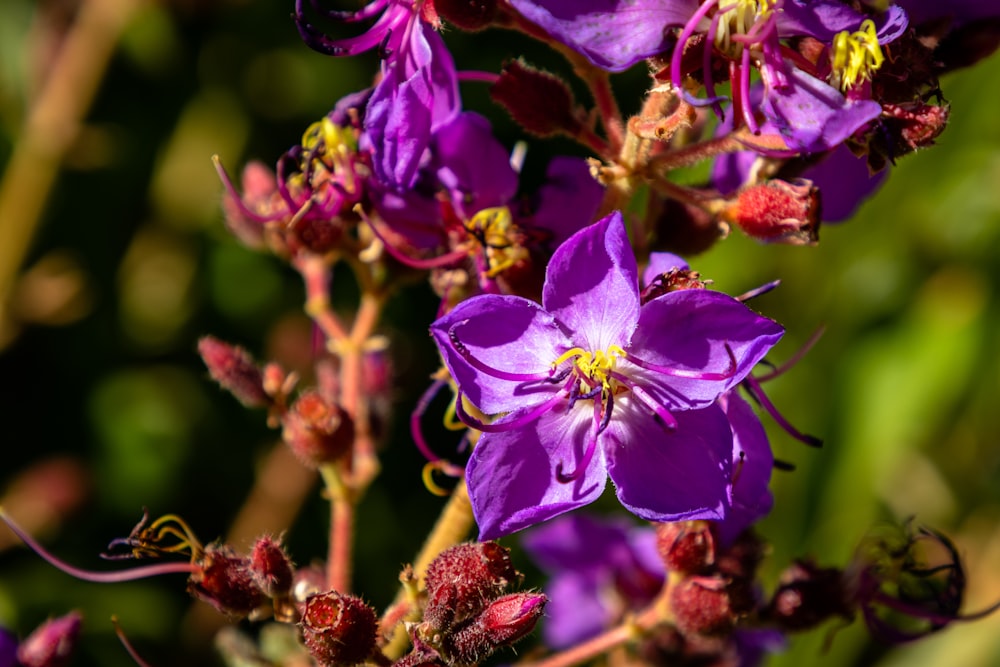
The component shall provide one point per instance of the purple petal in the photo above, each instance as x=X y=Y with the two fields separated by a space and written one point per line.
x=752 y=462
x=612 y=34
x=813 y=116
x=512 y=475
x=508 y=333
x=591 y=285
x=569 y=199
x=676 y=475
x=8 y=648
x=472 y=165
x=958 y=11
x=691 y=330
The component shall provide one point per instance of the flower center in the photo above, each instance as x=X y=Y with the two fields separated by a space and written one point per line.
x=326 y=154
x=739 y=18
x=498 y=236
x=855 y=56
x=595 y=370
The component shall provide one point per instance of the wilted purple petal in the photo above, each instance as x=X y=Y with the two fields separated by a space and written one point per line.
x=512 y=475
x=674 y=475
x=592 y=285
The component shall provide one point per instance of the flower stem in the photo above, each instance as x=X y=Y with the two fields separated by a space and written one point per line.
x=633 y=628
x=339 y=561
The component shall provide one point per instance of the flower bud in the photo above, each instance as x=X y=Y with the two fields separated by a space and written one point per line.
x=260 y=188
x=339 y=629
x=421 y=655
x=807 y=595
x=234 y=369
x=471 y=15
x=701 y=606
x=463 y=580
x=778 y=212
x=317 y=431
x=686 y=546
x=52 y=643
x=505 y=621
x=271 y=568
x=540 y=102
x=225 y=582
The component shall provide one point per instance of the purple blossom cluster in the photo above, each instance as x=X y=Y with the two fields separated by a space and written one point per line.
x=578 y=343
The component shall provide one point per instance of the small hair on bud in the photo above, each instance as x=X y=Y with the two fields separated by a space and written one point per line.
x=778 y=212
x=225 y=582
x=235 y=370
x=271 y=568
x=52 y=643
x=463 y=580
x=339 y=629
x=540 y=102
x=317 y=430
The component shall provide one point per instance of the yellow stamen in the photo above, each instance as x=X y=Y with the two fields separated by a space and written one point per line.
x=594 y=367
x=856 y=56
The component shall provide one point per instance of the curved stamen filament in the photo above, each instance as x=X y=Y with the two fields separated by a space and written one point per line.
x=97 y=577
x=479 y=365
x=692 y=375
x=518 y=422
x=588 y=456
x=757 y=394
x=647 y=399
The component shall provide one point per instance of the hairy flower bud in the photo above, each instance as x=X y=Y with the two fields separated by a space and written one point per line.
x=339 y=629
x=52 y=643
x=271 y=568
x=540 y=102
x=234 y=369
x=317 y=430
x=505 y=621
x=686 y=546
x=463 y=580
x=225 y=582
x=701 y=606
x=777 y=212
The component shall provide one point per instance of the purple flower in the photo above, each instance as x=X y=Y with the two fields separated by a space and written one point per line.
x=590 y=384
x=752 y=465
x=598 y=571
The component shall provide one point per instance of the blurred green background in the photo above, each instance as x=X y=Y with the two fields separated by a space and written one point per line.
x=106 y=408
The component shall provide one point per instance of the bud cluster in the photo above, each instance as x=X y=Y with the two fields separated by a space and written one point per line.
x=467 y=613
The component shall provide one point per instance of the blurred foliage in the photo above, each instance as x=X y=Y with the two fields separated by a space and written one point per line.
x=902 y=387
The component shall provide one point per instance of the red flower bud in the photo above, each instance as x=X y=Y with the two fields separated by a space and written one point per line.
x=225 y=582
x=686 y=546
x=540 y=102
x=339 y=629
x=778 y=212
x=463 y=580
x=271 y=568
x=52 y=643
x=317 y=431
x=234 y=369
x=701 y=606
x=505 y=621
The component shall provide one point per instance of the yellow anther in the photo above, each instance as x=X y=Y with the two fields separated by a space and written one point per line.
x=593 y=367
x=855 y=56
